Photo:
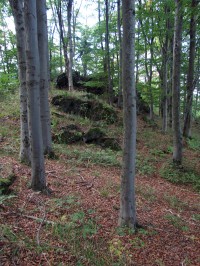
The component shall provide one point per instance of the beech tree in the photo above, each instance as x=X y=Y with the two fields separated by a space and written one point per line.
x=17 y=11
x=44 y=75
x=190 y=76
x=70 y=60
x=127 y=216
x=33 y=87
x=177 y=135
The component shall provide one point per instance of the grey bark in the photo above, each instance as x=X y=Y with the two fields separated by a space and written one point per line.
x=38 y=181
x=107 y=41
x=44 y=75
x=17 y=10
x=190 y=76
x=177 y=135
x=165 y=56
x=70 y=61
x=127 y=215
x=120 y=102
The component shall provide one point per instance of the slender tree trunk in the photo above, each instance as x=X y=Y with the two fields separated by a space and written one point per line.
x=110 y=89
x=127 y=215
x=190 y=76
x=33 y=85
x=70 y=61
x=44 y=75
x=120 y=99
x=171 y=43
x=100 y=33
x=165 y=55
x=177 y=136
x=17 y=10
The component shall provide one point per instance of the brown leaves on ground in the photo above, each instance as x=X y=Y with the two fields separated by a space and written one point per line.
x=77 y=224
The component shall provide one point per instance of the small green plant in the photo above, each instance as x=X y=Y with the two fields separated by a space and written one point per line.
x=176 y=221
x=196 y=217
x=194 y=144
x=137 y=243
x=146 y=192
x=157 y=152
x=180 y=175
x=175 y=202
x=91 y=155
x=144 y=166
x=122 y=231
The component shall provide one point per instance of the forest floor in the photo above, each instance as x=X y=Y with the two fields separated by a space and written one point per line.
x=78 y=223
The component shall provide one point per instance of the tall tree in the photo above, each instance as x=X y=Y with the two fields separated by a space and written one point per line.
x=177 y=135
x=190 y=76
x=120 y=53
x=17 y=10
x=70 y=61
x=127 y=215
x=44 y=75
x=107 y=46
x=33 y=86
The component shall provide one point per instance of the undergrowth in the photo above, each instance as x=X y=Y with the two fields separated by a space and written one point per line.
x=180 y=175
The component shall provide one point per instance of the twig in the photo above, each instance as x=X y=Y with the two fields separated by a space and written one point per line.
x=39 y=229
x=38 y=219
x=82 y=177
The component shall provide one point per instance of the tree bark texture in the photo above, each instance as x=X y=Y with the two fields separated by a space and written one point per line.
x=190 y=76
x=127 y=215
x=33 y=86
x=44 y=75
x=17 y=10
x=177 y=135
x=120 y=98
x=110 y=89
x=70 y=61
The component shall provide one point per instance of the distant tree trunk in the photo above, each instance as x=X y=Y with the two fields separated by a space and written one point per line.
x=44 y=75
x=33 y=85
x=171 y=43
x=120 y=99
x=17 y=10
x=60 y=27
x=177 y=136
x=110 y=89
x=70 y=61
x=127 y=215
x=100 y=33
x=165 y=56
x=190 y=77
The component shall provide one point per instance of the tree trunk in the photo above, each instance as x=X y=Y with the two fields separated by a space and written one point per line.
x=127 y=215
x=165 y=55
x=120 y=99
x=190 y=76
x=17 y=10
x=70 y=61
x=33 y=86
x=177 y=137
x=44 y=75
x=110 y=89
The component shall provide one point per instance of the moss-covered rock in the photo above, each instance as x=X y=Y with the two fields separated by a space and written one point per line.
x=93 y=135
x=68 y=135
x=90 y=108
x=5 y=184
x=110 y=143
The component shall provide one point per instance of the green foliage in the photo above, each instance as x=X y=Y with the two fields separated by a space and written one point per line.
x=146 y=192
x=180 y=175
x=194 y=144
x=175 y=202
x=144 y=165
x=90 y=155
x=176 y=221
x=5 y=198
